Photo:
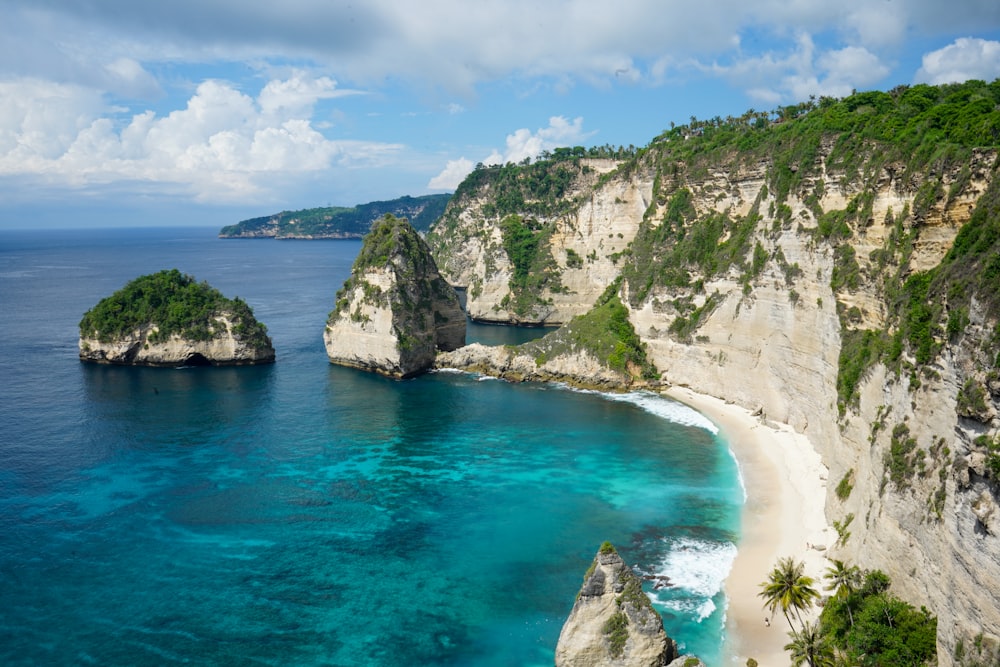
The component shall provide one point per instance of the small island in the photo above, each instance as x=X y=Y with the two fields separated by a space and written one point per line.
x=395 y=311
x=170 y=319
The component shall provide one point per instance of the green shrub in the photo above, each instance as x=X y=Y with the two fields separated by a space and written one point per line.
x=846 y=485
x=174 y=303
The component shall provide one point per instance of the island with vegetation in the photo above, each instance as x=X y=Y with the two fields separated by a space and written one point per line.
x=170 y=319
x=339 y=222
x=395 y=311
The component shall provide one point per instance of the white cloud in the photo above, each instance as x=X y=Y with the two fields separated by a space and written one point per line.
x=222 y=145
x=965 y=58
x=454 y=173
x=804 y=71
x=520 y=144
x=456 y=45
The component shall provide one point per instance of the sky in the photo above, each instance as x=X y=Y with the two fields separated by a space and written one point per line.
x=207 y=112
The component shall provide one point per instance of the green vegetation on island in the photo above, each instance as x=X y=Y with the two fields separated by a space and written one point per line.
x=391 y=243
x=339 y=221
x=174 y=303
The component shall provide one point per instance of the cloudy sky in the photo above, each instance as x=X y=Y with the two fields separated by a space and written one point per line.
x=127 y=112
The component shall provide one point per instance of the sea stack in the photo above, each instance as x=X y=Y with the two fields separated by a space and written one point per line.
x=170 y=319
x=395 y=311
x=613 y=623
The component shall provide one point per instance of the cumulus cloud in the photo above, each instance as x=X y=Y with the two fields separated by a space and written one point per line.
x=223 y=145
x=457 y=45
x=802 y=72
x=965 y=58
x=454 y=173
x=519 y=145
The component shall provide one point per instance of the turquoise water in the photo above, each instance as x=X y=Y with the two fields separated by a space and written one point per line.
x=303 y=513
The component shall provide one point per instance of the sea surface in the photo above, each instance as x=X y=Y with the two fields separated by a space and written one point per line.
x=302 y=513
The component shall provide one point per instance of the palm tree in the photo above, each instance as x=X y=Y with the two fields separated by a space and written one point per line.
x=810 y=646
x=844 y=580
x=789 y=588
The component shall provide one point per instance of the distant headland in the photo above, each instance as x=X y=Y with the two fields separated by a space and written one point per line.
x=339 y=222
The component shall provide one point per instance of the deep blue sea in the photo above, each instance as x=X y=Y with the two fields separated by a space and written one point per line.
x=306 y=514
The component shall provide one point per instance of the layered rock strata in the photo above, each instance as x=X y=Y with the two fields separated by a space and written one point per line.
x=225 y=348
x=613 y=623
x=169 y=319
x=395 y=311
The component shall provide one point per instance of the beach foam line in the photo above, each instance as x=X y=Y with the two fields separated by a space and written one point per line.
x=666 y=408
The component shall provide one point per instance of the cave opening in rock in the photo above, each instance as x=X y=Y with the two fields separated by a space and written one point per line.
x=197 y=359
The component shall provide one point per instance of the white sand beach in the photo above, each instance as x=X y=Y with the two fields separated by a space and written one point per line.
x=785 y=481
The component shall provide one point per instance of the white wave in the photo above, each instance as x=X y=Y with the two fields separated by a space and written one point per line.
x=698 y=568
x=739 y=474
x=699 y=607
x=666 y=408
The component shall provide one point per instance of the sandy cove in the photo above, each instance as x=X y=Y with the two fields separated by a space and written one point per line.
x=785 y=482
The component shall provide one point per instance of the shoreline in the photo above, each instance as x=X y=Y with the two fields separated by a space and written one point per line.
x=785 y=484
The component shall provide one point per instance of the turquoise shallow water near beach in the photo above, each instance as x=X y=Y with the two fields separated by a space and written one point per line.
x=302 y=513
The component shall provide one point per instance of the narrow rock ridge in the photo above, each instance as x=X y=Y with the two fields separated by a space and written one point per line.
x=613 y=623
x=395 y=311
x=579 y=369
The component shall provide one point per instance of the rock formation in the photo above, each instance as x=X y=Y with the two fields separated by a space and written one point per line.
x=169 y=319
x=839 y=284
x=395 y=311
x=613 y=623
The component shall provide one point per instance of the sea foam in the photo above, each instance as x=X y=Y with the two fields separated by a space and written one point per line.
x=697 y=570
x=666 y=408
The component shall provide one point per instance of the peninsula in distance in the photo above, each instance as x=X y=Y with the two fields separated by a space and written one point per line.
x=339 y=222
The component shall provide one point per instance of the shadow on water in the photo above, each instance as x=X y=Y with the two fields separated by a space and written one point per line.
x=175 y=406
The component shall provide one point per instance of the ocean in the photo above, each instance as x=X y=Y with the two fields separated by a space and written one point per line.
x=302 y=513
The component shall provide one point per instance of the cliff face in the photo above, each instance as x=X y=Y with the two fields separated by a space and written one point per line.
x=576 y=242
x=225 y=348
x=840 y=284
x=395 y=311
x=613 y=623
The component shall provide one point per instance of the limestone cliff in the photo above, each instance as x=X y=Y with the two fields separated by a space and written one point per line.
x=613 y=623
x=169 y=319
x=540 y=248
x=395 y=311
x=837 y=268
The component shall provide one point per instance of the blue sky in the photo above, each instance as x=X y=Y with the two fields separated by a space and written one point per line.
x=125 y=112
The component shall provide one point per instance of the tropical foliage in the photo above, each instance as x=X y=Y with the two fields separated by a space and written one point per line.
x=788 y=588
x=174 y=303
x=861 y=624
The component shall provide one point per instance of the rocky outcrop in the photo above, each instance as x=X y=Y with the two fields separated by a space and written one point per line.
x=395 y=311
x=224 y=348
x=168 y=319
x=613 y=623
x=577 y=369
